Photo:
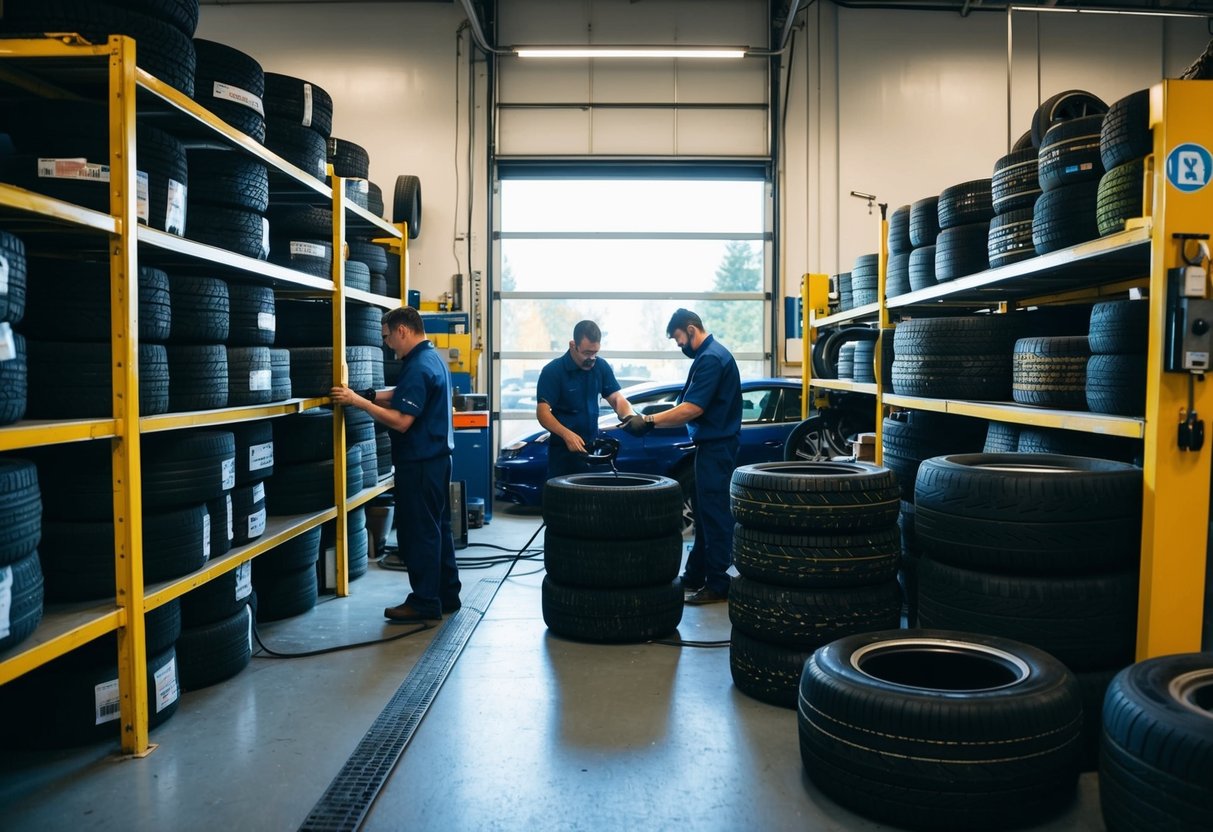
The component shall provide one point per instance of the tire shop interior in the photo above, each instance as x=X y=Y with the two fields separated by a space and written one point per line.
x=958 y=251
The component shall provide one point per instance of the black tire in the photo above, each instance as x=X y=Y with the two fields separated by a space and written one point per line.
x=406 y=203
x=865 y=272
x=962 y=250
x=219 y=516
x=303 y=147
x=373 y=255
x=25 y=594
x=1010 y=238
x=814 y=496
x=358 y=275
x=355 y=189
x=378 y=284
x=612 y=615
x=846 y=298
x=228 y=179
x=181 y=13
x=12 y=299
x=219 y=598
x=1029 y=514
x=300 y=552
x=767 y=672
x=981 y=377
x=211 y=653
x=254 y=450
x=907 y=571
x=897 y=280
x=864 y=357
x=370 y=463
x=932 y=729
x=809 y=618
x=231 y=229
x=1117 y=384
x=198 y=377
x=300 y=220
x=1015 y=184
x=1126 y=131
x=288 y=595
x=1064 y=106
x=1001 y=438
x=312 y=369
x=187 y=467
x=924 y=222
x=308 y=486
x=363 y=325
x=201 y=310
x=78 y=557
x=899 y=231
x=374 y=199
x=1051 y=372
x=250 y=379
x=298 y=102
x=248 y=513
x=816 y=561
x=1119 y=197
x=76 y=380
x=606 y=507
x=240 y=118
x=1157 y=746
x=846 y=362
x=383 y=452
x=304 y=437
x=253 y=318
x=231 y=85
x=922 y=268
x=1065 y=217
x=80 y=292
x=980 y=335
x=612 y=564
x=1069 y=153
x=311 y=257
x=1075 y=443
x=1086 y=622
x=20 y=509
x=965 y=204
x=348 y=159
x=1119 y=327
x=910 y=437
x=280 y=375
x=165 y=51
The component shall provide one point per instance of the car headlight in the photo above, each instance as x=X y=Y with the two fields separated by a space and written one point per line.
x=515 y=446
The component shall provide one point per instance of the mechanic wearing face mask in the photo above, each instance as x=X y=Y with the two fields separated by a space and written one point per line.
x=710 y=407
x=567 y=394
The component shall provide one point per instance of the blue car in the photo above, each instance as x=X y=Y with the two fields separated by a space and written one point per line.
x=770 y=409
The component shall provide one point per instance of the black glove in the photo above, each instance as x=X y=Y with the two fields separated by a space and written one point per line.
x=637 y=425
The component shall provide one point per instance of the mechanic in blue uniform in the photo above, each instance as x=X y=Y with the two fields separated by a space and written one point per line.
x=567 y=395
x=418 y=412
x=710 y=407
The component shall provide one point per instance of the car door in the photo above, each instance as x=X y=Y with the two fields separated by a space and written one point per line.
x=764 y=423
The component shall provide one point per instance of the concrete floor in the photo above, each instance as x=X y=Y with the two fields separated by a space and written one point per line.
x=529 y=732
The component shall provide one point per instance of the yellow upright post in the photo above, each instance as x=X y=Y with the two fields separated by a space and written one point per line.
x=1176 y=482
x=405 y=282
x=124 y=366
x=815 y=303
x=882 y=272
x=340 y=376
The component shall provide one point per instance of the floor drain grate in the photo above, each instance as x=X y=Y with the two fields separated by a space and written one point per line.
x=350 y=795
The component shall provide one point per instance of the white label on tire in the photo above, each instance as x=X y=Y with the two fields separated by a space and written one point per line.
x=174 y=214
x=258 y=493
x=3 y=275
x=229 y=473
x=206 y=536
x=8 y=344
x=249 y=611
x=260 y=380
x=307 y=105
x=244 y=580
x=260 y=456
x=299 y=249
x=143 y=202
x=227 y=92
x=79 y=168
x=231 y=534
x=265 y=238
x=6 y=599
x=256 y=523
x=166 y=685
x=267 y=321
x=105 y=701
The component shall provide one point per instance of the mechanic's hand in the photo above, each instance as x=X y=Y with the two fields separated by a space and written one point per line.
x=636 y=425
x=575 y=444
x=343 y=395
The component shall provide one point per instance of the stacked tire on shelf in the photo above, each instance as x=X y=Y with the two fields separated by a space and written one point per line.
x=1125 y=139
x=965 y=211
x=865 y=278
x=1117 y=370
x=20 y=534
x=897 y=277
x=612 y=552
x=1039 y=548
x=1066 y=130
x=1014 y=189
x=306 y=326
x=217 y=633
x=816 y=546
x=14 y=375
x=923 y=231
x=954 y=358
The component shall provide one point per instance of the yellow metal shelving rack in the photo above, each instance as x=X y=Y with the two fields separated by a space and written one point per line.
x=61 y=65
x=1175 y=506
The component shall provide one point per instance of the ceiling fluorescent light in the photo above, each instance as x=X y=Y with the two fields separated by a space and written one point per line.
x=1128 y=12
x=627 y=52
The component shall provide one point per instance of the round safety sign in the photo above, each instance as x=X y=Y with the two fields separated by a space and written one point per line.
x=1189 y=167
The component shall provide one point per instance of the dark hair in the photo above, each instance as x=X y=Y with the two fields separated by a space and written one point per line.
x=405 y=316
x=588 y=331
x=681 y=319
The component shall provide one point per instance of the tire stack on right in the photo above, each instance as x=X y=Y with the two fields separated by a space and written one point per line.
x=1124 y=141
x=846 y=295
x=923 y=232
x=846 y=360
x=1039 y=548
x=612 y=551
x=965 y=211
x=1069 y=169
x=1116 y=372
x=217 y=634
x=816 y=545
x=1051 y=371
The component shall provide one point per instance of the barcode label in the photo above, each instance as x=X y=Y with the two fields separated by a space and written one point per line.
x=8 y=344
x=259 y=380
x=105 y=700
x=231 y=535
x=206 y=535
x=3 y=275
x=72 y=169
x=6 y=599
x=258 y=493
x=174 y=214
x=256 y=523
x=229 y=473
x=142 y=199
x=307 y=105
x=265 y=239
x=166 y=685
x=299 y=249
x=227 y=92
x=267 y=321
x=244 y=580
x=260 y=456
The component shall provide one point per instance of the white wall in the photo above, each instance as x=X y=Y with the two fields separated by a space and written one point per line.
x=392 y=72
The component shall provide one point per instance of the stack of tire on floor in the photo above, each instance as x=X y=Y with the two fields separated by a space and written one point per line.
x=1156 y=754
x=1124 y=141
x=942 y=730
x=1039 y=548
x=816 y=546
x=306 y=328
x=285 y=577
x=1117 y=370
x=1066 y=130
x=358 y=541
x=217 y=635
x=612 y=551
x=965 y=211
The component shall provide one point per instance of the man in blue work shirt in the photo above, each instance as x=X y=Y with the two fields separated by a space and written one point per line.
x=418 y=412
x=567 y=394
x=710 y=407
